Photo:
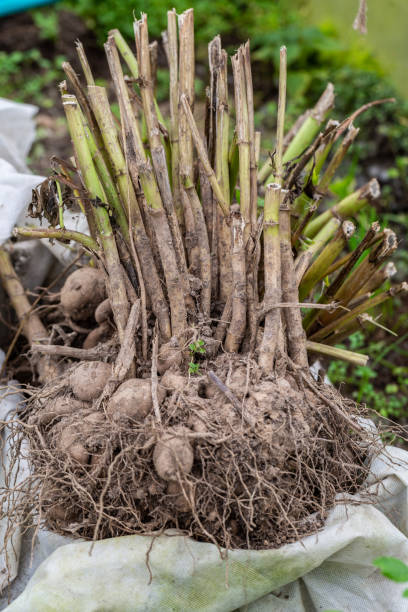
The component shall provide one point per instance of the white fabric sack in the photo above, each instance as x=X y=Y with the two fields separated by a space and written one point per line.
x=15 y=195
x=17 y=133
x=331 y=570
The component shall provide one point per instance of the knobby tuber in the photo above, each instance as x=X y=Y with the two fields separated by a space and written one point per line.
x=133 y=399
x=88 y=379
x=82 y=292
x=173 y=454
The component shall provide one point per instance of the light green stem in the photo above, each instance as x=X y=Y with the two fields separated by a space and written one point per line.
x=347 y=207
x=58 y=234
x=337 y=353
x=318 y=269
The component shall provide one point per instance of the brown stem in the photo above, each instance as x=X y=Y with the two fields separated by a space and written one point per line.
x=308 y=154
x=272 y=274
x=303 y=222
x=33 y=329
x=191 y=125
x=253 y=166
x=337 y=159
x=139 y=168
x=94 y=354
x=30 y=323
x=225 y=320
x=156 y=147
x=204 y=248
x=222 y=175
x=296 y=337
x=366 y=305
x=378 y=278
x=242 y=130
x=237 y=326
x=352 y=285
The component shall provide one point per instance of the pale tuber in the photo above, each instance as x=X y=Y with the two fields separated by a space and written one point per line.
x=89 y=379
x=173 y=454
x=83 y=290
x=133 y=399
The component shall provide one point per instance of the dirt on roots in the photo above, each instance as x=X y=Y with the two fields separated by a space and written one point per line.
x=267 y=461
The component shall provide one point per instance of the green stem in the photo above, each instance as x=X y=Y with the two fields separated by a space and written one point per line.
x=233 y=163
x=347 y=207
x=131 y=61
x=318 y=269
x=58 y=234
x=305 y=134
x=337 y=353
x=364 y=307
x=305 y=257
x=117 y=288
x=86 y=69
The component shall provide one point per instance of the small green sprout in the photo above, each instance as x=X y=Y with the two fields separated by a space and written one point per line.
x=193 y=368
x=196 y=348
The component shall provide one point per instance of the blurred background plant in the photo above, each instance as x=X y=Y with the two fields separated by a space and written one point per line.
x=322 y=46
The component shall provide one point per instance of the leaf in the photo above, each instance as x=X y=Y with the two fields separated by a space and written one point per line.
x=392 y=568
x=405 y=593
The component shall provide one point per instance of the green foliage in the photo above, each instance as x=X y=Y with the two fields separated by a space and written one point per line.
x=193 y=368
x=315 y=56
x=196 y=348
x=15 y=68
x=366 y=383
x=47 y=23
x=394 y=569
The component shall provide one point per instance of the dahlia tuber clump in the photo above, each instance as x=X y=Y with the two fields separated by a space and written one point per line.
x=186 y=401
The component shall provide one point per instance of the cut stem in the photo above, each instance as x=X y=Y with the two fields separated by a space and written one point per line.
x=304 y=259
x=100 y=105
x=318 y=269
x=242 y=130
x=58 y=234
x=202 y=154
x=365 y=306
x=237 y=326
x=346 y=208
x=337 y=353
x=272 y=273
x=296 y=338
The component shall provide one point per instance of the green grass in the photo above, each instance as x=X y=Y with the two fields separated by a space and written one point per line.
x=24 y=77
x=365 y=383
